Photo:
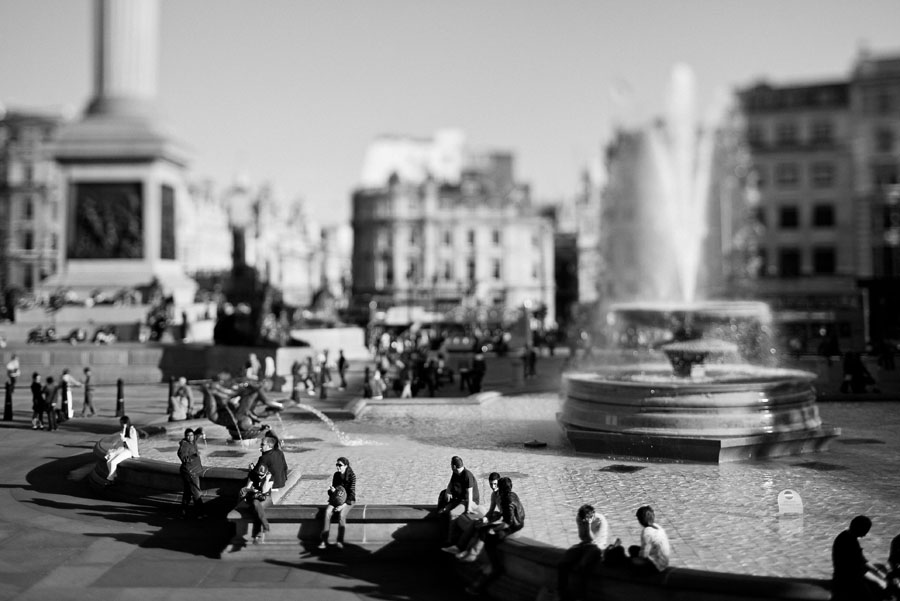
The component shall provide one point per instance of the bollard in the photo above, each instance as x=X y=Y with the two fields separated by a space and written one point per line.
x=7 y=404
x=120 y=398
x=64 y=402
x=171 y=406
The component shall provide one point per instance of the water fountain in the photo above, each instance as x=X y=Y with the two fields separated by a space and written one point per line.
x=718 y=398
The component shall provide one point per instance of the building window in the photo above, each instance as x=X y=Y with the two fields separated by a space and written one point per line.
x=495 y=237
x=759 y=176
x=787 y=174
x=823 y=175
x=535 y=271
x=759 y=213
x=470 y=237
x=884 y=140
x=470 y=271
x=885 y=103
x=789 y=262
x=824 y=261
x=28 y=240
x=762 y=262
x=29 y=208
x=788 y=218
x=821 y=132
x=823 y=215
x=448 y=238
x=414 y=237
x=412 y=271
x=786 y=133
x=448 y=271
x=497 y=269
x=755 y=136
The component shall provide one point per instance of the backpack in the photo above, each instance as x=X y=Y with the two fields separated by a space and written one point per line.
x=517 y=512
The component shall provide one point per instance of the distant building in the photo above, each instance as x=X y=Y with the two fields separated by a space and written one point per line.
x=436 y=226
x=30 y=197
x=827 y=163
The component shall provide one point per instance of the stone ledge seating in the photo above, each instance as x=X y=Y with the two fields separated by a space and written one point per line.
x=529 y=566
x=391 y=532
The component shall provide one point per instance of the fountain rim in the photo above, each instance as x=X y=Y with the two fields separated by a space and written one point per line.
x=770 y=376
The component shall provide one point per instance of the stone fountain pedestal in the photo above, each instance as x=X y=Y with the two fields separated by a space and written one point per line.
x=733 y=413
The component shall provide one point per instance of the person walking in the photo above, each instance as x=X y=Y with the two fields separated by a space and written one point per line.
x=341 y=496
x=191 y=468
x=88 y=394
x=37 y=402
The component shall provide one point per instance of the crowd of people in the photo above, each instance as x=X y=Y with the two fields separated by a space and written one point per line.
x=52 y=401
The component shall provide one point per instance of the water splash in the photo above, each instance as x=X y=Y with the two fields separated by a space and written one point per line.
x=343 y=438
x=237 y=429
x=680 y=165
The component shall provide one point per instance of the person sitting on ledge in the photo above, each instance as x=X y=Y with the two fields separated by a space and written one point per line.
x=460 y=497
x=491 y=534
x=855 y=578
x=258 y=495
x=581 y=558
x=273 y=458
x=470 y=528
x=654 y=552
x=341 y=495
x=126 y=447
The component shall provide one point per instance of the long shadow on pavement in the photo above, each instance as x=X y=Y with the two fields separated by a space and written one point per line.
x=162 y=529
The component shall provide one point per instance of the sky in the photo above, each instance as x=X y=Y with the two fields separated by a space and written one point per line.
x=291 y=92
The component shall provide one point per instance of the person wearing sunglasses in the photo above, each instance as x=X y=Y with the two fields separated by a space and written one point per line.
x=341 y=496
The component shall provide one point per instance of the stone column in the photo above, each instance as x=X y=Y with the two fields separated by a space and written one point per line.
x=126 y=51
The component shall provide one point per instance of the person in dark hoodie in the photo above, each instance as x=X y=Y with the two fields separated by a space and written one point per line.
x=191 y=468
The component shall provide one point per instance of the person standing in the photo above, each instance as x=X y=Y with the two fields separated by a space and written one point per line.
x=342 y=368
x=49 y=394
x=191 y=468
x=854 y=578
x=341 y=496
x=88 y=394
x=37 y=402
x=593 y=532
x=13 y=370
x=68 y=382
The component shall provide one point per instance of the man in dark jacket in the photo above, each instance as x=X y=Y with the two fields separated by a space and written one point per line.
x=191 y=468
x=273 y=458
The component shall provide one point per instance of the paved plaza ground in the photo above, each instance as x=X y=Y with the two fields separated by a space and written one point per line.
x=57 y=540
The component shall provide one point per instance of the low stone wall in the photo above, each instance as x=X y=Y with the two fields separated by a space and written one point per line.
x=375 y=526
x=159 y=482
x=528 y=567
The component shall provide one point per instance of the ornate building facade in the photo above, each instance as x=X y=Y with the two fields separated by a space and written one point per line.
x=30 y=197
x=436 y=226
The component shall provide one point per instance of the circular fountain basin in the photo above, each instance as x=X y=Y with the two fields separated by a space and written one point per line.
x=730 y=412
